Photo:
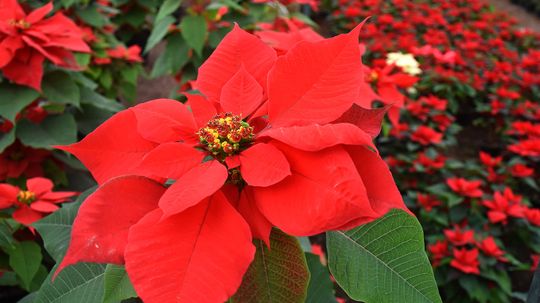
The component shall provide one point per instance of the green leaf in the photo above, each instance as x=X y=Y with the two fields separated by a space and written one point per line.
x=168 y=7
x=59 y=87
x=88 y=96
x=117 y=285
x=55 y=229
x=194 y=30
x=321 y=288
x=81 y=283
x=25 y=259
x=6 y=235
x=279 y=274
x=54 y=130
x=91 y=16
x=383 y=261
x=176 y=54
x=7 y=139
x=13 y=98
x=158 y=32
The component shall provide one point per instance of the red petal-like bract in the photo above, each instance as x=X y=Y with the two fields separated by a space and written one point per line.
x=315 y=137
x=315 y=82
x=369 y=120
x=241 y=94
x=260 y=226
x=323 y=192
x=236 y=49
x=99 y=233
x=203 y=110
x=39 y=186
x=263 y=165
x=111 y=151
x=164 y=120
x=195 y=185
x=199 y=255
x=170 y=160
x=381 y=189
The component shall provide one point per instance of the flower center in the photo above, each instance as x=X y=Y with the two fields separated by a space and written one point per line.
x=26 y=196
x=226 y=134
x=21 y=24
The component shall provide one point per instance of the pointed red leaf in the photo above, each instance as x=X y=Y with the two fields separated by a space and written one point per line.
x=203 y=110
x=170 y=160
x=237 y=48
x=369 y=120
x=260 y=226
x=39 y=186
x=195 y=185
x=315 y=82
x=111 y=151
x=381 y=189
x=199 y=255
x=323 y=193
x=100 y=230
x=241 y=94
x=315 y=137
x=263 y=165
x=164 y=120
x=44 y=206
x=39 y=13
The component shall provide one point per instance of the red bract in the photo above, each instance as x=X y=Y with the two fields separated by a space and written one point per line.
x=27 y=39
x=466 y=260
x=458 y=237
x=130 y=54
x=273 y=142
x=490 y=248
x=33 y=202
x=528 y=147
x=426 y=135
x=465 y=188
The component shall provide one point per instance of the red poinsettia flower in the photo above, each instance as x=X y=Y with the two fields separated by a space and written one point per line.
x=34 y=202
x=130 y=54
x=503 y=206
x=528 y=147
x=465 y=188
x=274 y=141
x=466 y=260
x=459 y=237
x=489 y=248
x=532 y=215
x=283 y=41
x=426 y=135
x=27 y=39
x=428 y=201
x=521 y=170
x=438 y=251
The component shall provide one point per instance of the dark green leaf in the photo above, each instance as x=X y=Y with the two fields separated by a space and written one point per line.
x=383 y=261
x=13 y=98
x=321 y=288
x=6 y=235
x=194 y=30
x=7 y=139
x=168 y=7
x=117 y=285
x=25 y=259
x=54 y=130
x=88 y=96
x=59 y=87
x=55 y=229
x=279 y=274
x=158 y=32
x=91 y=16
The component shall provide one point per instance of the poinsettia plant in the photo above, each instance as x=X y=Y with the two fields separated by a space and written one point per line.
x=272 y=142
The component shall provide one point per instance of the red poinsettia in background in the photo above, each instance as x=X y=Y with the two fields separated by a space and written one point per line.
x=34 y=202
x=274 y=141
x=26 y=40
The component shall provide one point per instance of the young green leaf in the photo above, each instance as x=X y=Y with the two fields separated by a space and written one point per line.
x=168 y=7
x=194 y=30
x=321 y=288
x=25 y=259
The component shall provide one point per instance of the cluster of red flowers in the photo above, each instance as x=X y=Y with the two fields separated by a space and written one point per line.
x=463 y=104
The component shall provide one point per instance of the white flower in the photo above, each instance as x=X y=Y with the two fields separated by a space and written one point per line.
x=405 y=61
